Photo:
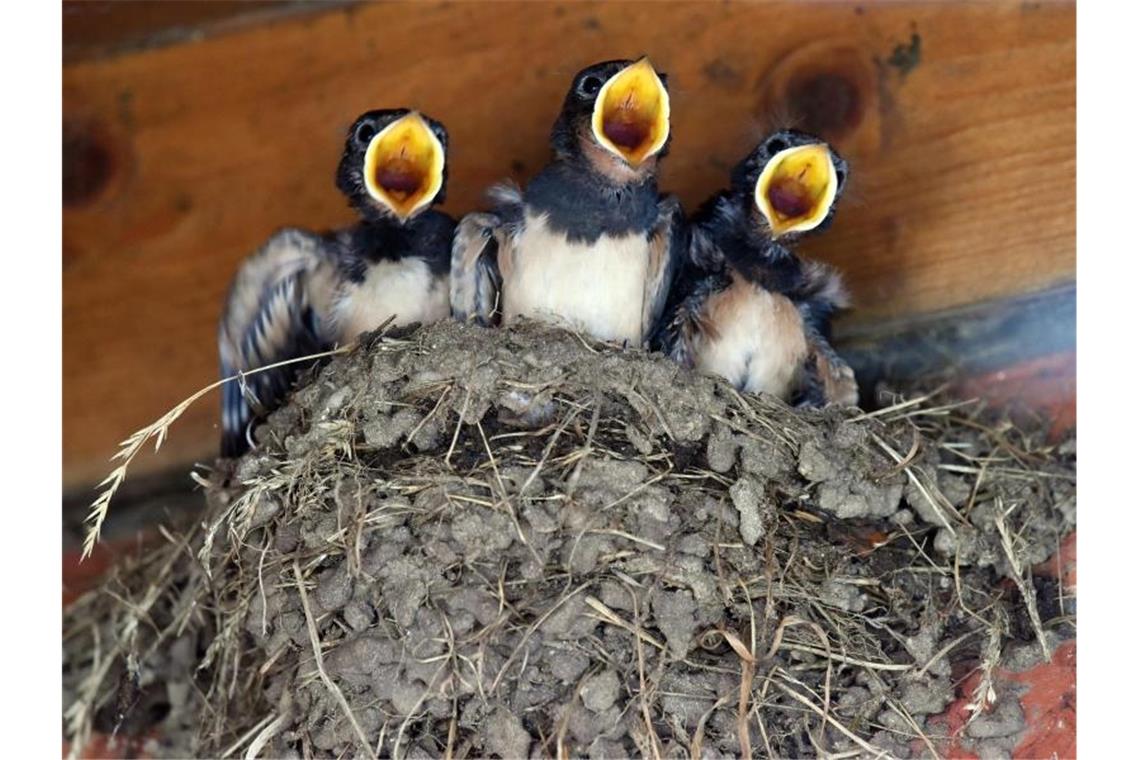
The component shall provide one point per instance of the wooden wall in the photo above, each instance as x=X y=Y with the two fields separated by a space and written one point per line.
x=958 y=121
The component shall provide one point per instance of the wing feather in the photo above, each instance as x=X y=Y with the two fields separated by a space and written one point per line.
x=826 y=378
x=666 y=244
x=481 y=250
x=276 y=310
x=476 y=281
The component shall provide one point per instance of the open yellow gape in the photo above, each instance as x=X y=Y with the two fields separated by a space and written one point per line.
x=631 y=113
x=403 y=166
x=797 y=188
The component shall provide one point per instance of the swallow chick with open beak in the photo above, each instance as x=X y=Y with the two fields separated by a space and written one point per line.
x=590 y=244
x=304 y=292
x=746 y=307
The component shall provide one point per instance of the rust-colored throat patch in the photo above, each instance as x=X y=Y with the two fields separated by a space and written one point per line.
x=797 y=188
x=631 y=113
x=403 y=166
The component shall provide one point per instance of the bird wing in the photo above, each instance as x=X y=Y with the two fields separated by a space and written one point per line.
x=827 y=378
x=481 y=251
x=700 y=273
x=686 y=320
x=666 y=243
x=476 y=280
x=820 y=295
x=276 y=310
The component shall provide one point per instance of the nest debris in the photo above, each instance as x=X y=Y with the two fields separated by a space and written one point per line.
x=462 y=542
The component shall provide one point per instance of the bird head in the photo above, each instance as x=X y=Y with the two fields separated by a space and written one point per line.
x=616 y=116
x=394 y=164
x=793 y=180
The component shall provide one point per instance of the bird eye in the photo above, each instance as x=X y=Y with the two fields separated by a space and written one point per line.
x=365 y=132
x=775 y=145
x=590 y=85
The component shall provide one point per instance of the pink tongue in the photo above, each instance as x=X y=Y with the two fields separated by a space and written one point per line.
x=788 y=198
x=625 y=134
x=397 y=181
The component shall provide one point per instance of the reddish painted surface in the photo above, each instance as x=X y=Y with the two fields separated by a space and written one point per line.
x=80 y=576
x=953 y=721
x=103 y=746
x=1051 y=706
x=1046 y=385
x=1049 y=703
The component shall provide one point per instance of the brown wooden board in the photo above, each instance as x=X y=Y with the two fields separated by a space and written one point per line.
x=95 y=28
x=958 y=120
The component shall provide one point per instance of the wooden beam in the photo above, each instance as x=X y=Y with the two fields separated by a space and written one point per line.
x=958 y=120
x=99 y=28
x=967 y=341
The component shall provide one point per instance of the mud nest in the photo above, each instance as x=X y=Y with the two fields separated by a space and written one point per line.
x=467 y=543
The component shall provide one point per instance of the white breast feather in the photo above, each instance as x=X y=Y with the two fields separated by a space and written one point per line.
x=404 y=289
x=597 y=288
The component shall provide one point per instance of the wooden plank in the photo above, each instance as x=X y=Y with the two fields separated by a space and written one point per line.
x=96 y=28
x=180 y=160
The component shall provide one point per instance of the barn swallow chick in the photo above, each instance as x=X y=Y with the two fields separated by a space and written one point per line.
x=590 y=244
x=304 y=292
x=745 y=306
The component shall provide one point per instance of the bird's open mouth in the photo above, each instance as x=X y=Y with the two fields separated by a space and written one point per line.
x=403 y=166
x=797 y=188
x=631 y=114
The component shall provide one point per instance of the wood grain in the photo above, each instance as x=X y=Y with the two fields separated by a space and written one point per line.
x=180 y=160
x=96 y=28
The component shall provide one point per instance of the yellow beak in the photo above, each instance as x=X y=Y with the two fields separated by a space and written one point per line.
x=631 y=113
x=797 y=188
x=403 y=166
